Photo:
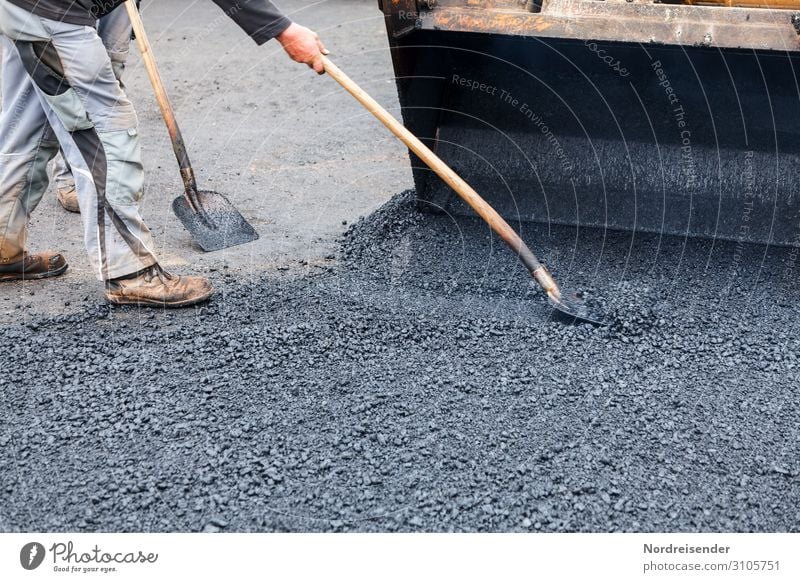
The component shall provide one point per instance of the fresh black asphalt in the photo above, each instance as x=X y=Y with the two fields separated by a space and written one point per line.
x=422 y=384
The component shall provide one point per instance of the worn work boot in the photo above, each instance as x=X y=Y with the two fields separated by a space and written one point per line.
x=155 y=287
x=38 y=266
x=68 y=197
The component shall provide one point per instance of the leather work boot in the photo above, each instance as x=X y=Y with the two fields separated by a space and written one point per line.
x=155 y=287
x=38 y=266
x=68 y=197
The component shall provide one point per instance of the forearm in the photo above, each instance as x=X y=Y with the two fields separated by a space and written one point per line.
x=260 y=19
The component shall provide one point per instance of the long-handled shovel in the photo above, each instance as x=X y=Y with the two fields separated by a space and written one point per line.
x=569 y=303
x=209 y=217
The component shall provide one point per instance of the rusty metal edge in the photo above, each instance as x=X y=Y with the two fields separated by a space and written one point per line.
x=734 y=28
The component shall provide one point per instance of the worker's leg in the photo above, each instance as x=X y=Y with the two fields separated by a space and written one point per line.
x=114 y=30
x=26 y=146
x=62 y=175
x=65 y=184
x=97 y=129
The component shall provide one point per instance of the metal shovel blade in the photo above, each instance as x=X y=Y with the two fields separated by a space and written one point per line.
x=217 y=225
x=572 y=305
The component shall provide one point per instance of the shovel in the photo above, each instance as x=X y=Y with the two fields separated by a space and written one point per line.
x=209 y=217
x=569 y=303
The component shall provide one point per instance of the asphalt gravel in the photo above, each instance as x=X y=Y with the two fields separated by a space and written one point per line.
x=422 y=383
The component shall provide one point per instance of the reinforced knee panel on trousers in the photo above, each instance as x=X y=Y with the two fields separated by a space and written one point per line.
x=672 y=118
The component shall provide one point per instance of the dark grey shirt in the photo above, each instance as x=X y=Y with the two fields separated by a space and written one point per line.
x=261 y=19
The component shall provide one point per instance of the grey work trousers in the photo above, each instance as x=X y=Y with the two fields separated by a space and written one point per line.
x=59 y=88
x=114 y=30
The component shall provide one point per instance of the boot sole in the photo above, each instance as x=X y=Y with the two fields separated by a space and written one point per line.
x=155 y=303
x=29 y=277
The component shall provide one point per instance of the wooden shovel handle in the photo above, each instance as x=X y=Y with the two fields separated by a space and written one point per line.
x=178 y=145
x=435 y=163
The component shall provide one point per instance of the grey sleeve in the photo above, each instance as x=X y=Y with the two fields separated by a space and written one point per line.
x=260 y=19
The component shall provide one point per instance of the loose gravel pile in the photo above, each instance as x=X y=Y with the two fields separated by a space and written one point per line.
x=422 y=384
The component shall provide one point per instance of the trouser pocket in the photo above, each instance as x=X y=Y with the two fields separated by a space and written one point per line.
x=70 y=110
x=125 y=179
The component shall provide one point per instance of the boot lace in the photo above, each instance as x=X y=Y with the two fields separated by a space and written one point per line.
x=156 y=271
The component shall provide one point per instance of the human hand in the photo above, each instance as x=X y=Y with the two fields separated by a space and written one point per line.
x=303 y=46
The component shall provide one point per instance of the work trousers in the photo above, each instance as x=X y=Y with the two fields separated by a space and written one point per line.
x=114 y=30
x=59 y=88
